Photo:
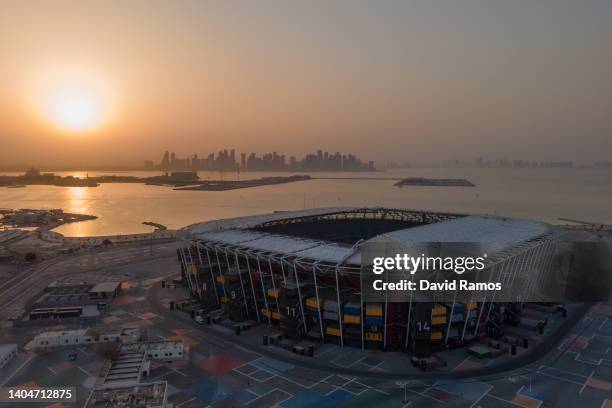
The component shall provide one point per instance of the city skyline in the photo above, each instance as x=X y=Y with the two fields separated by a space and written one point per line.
x=275 y=161
x=230 y=160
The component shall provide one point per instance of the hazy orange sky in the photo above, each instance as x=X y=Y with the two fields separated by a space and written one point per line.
x=399 y=80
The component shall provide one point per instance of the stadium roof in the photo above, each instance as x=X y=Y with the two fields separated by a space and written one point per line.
x=252 y=220
x=250 y=241
x=495 y=234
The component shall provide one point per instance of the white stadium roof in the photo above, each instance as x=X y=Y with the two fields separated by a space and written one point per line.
x=279 y=244
x=253 y=220
x=495 y=234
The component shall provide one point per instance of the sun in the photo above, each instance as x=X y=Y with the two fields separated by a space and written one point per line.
x=76 y=109
x=73 y=101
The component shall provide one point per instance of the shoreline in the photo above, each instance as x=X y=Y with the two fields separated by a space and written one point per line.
x=30 y=231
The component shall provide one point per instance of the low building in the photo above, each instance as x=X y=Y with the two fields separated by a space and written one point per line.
x=83 y=301
x=157 y=350
x=128 y=368
x=80 y=337
x=7 y=353
x=134 y=360
x=105 y=290
x=142 y=395
x=121 y=380
x=58 y=295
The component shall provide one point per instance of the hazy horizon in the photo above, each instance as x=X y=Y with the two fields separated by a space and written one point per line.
x=115 y=83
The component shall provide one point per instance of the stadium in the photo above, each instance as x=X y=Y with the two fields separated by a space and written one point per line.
x=299 y=272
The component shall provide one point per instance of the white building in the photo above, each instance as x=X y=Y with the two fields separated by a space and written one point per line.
x=157 y=350
x=122 y=384
x=142 y=395
x=84 y=337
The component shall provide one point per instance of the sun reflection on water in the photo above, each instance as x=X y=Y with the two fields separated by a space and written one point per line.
x=78 y=203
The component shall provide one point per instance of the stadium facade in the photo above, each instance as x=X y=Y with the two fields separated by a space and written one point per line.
x=299 y=271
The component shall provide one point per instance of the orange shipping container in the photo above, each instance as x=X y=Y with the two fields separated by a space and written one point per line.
x=352 y=319
x=334 y=331
x=436 y=335
x=438 y=311
x=438 y=320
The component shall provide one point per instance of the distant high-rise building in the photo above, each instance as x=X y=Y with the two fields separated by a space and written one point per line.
x=166 y=159
x=195 y=162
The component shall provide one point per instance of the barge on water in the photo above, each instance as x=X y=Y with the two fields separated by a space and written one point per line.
x=430 y=182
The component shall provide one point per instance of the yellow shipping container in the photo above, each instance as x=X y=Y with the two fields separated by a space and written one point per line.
x=220 y=279
x=191 y=269
x=436 y=335
x=276 y=315
x=470 y=306
x=352 y=319
x=438 y=320
x=334 y=331
x=273 y=293
x=265 y=312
